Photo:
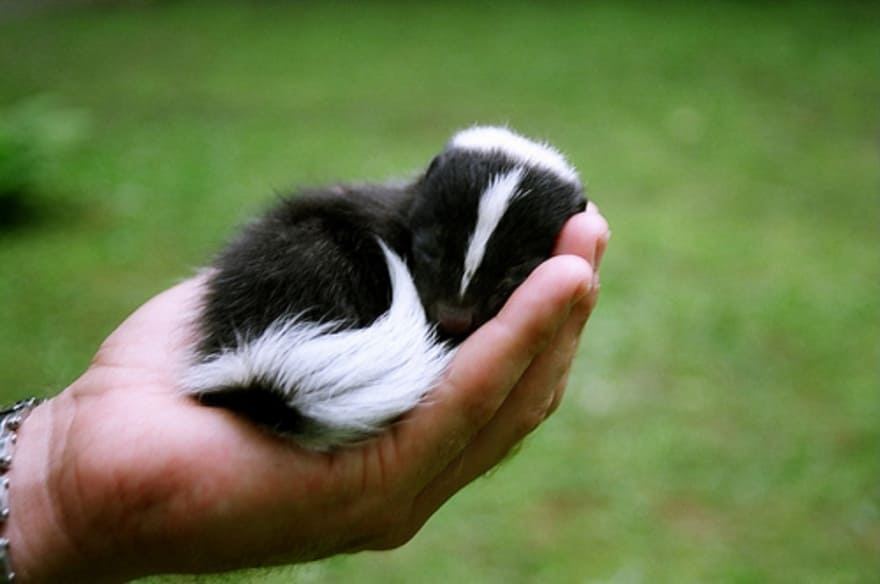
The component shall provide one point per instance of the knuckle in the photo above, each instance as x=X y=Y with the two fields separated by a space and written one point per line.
x=390 y=529
x=475 y=407
x=397 y=538
x=554 y=405
x=479 y=411
x=529 y=421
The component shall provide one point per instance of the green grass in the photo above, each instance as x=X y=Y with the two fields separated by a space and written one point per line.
x=723 y=420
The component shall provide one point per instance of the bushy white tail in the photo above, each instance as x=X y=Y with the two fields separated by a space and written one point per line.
x=349 y=382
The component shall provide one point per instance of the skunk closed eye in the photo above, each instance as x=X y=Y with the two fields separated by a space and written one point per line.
x=336 y=312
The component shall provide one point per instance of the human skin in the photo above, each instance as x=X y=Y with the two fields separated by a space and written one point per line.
x=121 y=476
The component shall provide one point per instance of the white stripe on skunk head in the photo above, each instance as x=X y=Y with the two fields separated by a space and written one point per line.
x=488 y=139
x=486 y=213
x=503 y=189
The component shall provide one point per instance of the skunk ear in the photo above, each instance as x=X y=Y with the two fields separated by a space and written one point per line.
x=435 y=164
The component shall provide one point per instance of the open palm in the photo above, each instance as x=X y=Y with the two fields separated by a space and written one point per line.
x=146 y=480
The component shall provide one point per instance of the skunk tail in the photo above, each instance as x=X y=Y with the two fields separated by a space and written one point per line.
x=326 y=385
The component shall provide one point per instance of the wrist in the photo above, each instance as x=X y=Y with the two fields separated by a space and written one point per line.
x=39 y=545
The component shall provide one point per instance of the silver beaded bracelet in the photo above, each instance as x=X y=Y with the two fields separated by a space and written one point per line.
x=10 y=420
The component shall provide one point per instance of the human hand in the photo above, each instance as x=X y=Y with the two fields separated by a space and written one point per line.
x=121 y=475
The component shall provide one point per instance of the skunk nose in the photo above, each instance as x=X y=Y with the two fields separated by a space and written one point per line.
x=454 y=321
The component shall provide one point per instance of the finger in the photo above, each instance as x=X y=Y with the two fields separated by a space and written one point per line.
x=586 y=235
x=579 y=316
x=487 y=367
x=574 y=328
x=599 y=226
x=535 y=397
x=526 y=406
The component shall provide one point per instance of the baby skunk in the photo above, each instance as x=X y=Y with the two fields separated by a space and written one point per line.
x=339 y=310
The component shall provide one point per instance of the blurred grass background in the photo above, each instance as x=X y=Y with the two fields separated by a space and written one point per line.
x=723 y=420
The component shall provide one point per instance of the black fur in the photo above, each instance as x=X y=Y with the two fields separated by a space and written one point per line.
x=443 y=216
x=315 y=256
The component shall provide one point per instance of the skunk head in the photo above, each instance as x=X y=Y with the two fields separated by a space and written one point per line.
x=486 y=213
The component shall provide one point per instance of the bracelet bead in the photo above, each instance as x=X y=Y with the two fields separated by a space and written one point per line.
x=11 y=419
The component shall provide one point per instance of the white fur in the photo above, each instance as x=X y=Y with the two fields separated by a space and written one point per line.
x=494 y=201
x=351 y=381
x=522 y=150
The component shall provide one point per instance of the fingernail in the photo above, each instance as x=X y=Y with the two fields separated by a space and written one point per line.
x=586 y=287
x=601 y=247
